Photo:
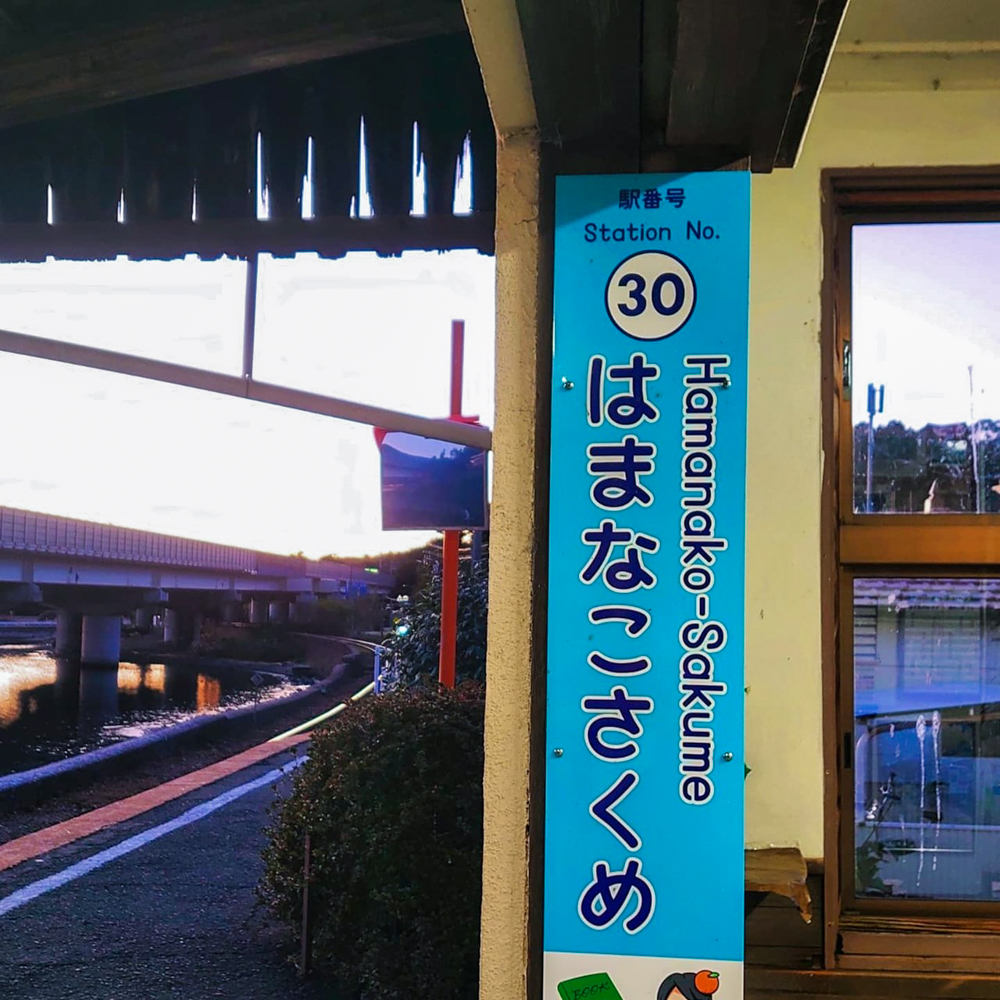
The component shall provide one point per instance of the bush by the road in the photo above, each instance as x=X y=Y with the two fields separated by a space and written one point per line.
x=392 y=798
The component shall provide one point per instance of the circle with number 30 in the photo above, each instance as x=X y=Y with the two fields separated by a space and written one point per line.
x=650 y=295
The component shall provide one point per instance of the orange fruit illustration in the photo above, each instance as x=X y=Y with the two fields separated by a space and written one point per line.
x=707 y=982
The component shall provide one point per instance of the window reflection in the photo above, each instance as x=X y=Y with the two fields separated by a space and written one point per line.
x=927 y=737
x=925 y=335
x=209 y=693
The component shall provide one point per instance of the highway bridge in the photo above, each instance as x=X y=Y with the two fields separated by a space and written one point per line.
x=95 y=573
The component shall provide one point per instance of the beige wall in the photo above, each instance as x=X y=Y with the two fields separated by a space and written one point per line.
x=851 y=127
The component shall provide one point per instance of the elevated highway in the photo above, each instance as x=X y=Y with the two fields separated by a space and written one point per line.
x=94 y=573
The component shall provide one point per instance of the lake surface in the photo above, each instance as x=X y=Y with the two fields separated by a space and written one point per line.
x=51 y=709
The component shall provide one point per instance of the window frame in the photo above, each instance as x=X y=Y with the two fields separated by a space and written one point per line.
x=859 y=544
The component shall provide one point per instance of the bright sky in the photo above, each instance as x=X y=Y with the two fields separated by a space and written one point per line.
x=126 y=451
x=926 y=306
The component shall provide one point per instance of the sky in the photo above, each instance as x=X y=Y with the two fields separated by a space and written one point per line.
x=121 y=450
x=925 y=307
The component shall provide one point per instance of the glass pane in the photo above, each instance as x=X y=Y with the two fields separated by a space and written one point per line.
x=378 y=330
x=927 y=738
x=925 y=406
x=188 y=311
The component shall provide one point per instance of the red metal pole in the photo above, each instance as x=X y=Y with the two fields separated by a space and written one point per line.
x=457 y=365
x=449 y=608
x=452 y=539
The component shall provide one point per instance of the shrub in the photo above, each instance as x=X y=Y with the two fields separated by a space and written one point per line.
x=392 y=797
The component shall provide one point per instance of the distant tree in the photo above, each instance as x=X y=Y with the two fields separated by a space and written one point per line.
x=418 y=646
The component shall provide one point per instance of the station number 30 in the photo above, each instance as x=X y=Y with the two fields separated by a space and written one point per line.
x=650 y=295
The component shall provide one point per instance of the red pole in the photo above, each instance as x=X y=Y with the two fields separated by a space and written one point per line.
x=452 y=539
x=457 y=365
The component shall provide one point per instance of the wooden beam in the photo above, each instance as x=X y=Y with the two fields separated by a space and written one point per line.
x=496 y=37
x=230 y=40
x=722 y=81
x=818 y=48
x=330 y=237
x=585 y=62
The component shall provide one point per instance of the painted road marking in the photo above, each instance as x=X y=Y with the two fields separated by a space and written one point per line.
x=81 y=868
x=33 y=845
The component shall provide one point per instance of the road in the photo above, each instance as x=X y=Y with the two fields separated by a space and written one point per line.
x=166 y=911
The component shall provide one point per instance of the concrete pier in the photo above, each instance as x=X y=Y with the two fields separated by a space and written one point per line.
x=69 y=632
x=102 y=640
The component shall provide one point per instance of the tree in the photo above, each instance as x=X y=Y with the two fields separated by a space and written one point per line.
x=417 y=644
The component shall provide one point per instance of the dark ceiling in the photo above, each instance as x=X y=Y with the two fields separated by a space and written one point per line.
x=159 y=97
x=58 y=56
x=618 y=84
x=677 y=84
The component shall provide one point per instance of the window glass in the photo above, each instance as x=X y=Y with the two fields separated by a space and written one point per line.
x=927 y=738
x=925 y=340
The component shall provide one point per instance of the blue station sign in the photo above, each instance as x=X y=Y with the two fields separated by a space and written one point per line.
x=644 y=733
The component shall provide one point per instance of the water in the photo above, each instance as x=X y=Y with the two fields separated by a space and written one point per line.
x=51 y=709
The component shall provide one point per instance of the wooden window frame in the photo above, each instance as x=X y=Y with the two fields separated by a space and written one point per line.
x=866 y=932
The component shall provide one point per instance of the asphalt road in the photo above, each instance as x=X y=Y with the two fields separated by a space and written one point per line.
x=174 y=918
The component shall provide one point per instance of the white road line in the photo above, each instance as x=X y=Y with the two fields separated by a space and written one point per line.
x=42 y=886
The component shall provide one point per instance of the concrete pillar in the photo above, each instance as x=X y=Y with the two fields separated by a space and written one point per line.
x=277 y=612
x=303 y=609
x=171 y=625
x=102 y=640
x=258 y=611
x=69 y=629
x=232 y=611
x=512 y=789
x=196 y=621
x=143 y=620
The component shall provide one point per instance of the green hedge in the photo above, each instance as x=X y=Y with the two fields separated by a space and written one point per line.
x=392 y=797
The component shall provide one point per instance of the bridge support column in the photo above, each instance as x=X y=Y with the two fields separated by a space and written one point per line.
x=232 y=611
x=102 y=640
x=303 y=608
x=277 y=612
x=258 y=611
x=196 y=621
x=171 y=625
x=143 y=620
x=69 y=628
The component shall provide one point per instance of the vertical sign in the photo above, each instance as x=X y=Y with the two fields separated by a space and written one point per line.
x=644 y=741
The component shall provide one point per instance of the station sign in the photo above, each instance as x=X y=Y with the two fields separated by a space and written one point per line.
x=644 y=869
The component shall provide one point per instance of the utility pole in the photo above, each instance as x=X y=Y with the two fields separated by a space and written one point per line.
x=972 y=441
x=875 y=405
